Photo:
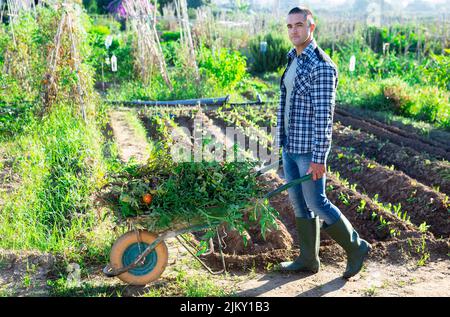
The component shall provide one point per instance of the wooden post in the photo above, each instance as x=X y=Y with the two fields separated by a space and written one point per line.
x=418 y=50
x=444 y=33
x=187 y=40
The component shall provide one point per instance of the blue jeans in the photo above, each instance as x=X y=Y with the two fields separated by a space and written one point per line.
x=308 y=198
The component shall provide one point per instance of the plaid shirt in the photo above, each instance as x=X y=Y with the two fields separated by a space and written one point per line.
x=312 y=104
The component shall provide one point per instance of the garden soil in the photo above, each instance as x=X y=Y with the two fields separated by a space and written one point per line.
x=391 y=269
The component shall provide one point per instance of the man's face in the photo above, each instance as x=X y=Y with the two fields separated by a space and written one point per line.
x=298 y=29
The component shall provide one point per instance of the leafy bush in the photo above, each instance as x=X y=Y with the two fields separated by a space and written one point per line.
x=361 y=92
x=226 y=68
x=170 y=50
x=432 y=105
x=168 y=36
x=273 y=58
x=421 y=102
x=120 y=47
x=185 y=86
x=399 y=95
x=429 y=71
x=438 y=70
x=14 y=118
x=401 y=38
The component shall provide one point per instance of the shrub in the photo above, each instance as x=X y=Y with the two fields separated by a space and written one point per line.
x=170 y=36
x=361 y=92
x=399 y=95
x=399 y=37
x=170 y=50
x=438 y=70
x=420 y=102
x=120 y=47
x=226 y=68
x=273 y=58
x=431 y=105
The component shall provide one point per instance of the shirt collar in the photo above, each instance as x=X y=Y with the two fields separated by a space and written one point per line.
x=307 y=52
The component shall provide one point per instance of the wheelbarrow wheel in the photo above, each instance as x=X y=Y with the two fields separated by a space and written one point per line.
x=127 y=248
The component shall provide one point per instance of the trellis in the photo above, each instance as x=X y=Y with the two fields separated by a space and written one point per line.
x=186 y=36
x=141 y=16
x=65 y=51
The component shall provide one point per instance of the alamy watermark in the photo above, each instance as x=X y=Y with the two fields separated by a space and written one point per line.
x=210 y=143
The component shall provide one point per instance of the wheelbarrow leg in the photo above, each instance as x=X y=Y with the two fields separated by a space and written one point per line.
x=220 y=250
x=200 y=260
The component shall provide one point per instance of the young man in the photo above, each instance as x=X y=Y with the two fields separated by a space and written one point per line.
x=305 y=121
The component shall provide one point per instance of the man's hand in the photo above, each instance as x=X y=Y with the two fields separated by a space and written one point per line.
x=317 y=170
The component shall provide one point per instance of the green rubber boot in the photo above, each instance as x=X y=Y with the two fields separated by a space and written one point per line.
x=309 y=239
x=356 y=248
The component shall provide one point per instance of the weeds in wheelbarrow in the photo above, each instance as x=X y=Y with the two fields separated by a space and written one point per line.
x=192 y=192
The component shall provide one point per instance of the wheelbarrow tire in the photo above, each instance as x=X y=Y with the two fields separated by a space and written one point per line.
x=126 y=249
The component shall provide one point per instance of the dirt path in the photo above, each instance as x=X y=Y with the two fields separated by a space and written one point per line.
x=25 y=273
x=377 y=279
x=130 y=143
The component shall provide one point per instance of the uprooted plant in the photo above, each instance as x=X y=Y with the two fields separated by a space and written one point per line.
x=163 y=194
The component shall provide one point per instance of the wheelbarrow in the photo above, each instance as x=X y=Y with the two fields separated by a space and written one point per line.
x=139 y=257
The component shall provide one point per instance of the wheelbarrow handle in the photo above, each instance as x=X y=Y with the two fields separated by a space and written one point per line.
x=288 y=185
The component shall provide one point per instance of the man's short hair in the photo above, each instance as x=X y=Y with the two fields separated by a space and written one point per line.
x=305 y=11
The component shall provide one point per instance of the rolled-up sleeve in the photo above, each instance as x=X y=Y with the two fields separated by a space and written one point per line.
x=323 y=96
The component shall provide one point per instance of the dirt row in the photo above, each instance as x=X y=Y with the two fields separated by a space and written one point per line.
x=397 y=137
x=275 y=239
x=380 y=227
x=334 y=183
x=395 y=242
x=251 y=133
x=419 y=166
x=278 y=246
x=421 y=203
x=394 y=229
x=432 y=136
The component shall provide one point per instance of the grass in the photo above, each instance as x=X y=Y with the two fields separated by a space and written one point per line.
x=60 y=162
x=398 y=101
x=370 y=291
x=183 y=284
x=6 y=292
x=198 y=286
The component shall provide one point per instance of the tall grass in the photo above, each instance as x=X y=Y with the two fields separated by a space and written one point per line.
x=61 y=164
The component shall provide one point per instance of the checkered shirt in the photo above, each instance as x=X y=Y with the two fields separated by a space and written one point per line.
x=312 y=104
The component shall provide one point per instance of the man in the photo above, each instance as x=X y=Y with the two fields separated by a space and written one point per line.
x=305 y=121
